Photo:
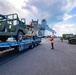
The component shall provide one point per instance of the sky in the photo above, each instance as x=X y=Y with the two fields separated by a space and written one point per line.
x=60 y=14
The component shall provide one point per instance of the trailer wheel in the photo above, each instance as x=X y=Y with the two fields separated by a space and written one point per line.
x=16 y=49
x=35 y=44
x=32 y=46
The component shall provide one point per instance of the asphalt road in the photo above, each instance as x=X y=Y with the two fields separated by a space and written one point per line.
x=40 y=60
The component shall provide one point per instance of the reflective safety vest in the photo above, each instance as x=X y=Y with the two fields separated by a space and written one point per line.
x=52 y=40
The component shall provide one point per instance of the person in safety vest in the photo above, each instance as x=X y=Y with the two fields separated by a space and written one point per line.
x=52 y=42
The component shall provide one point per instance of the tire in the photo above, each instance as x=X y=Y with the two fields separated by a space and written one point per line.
x=32 y=46
x=73 y=41
x=35 y=44
x=19 y=36
x=3 y=39
x=69 y=41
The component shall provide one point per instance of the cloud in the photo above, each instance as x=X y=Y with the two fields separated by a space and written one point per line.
x=6 y=7
x=52 y=10
x=65 y=29
x=66 y=16
x=16 y=3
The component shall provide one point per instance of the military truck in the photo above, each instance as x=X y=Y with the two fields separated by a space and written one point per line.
x=66 y=36
x=72 y=40
x=31 y=29
x=11 y=26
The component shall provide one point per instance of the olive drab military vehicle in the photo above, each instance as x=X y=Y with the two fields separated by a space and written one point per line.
x=11 y=26
x=72 y=39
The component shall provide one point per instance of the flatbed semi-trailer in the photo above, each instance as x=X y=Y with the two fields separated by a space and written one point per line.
x=19 y=46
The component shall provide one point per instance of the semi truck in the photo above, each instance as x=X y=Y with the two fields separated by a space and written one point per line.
x=12 y=26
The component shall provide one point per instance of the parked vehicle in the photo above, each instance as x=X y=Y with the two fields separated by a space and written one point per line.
x=72 y=40
x=11 y=26
x=66 y=36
